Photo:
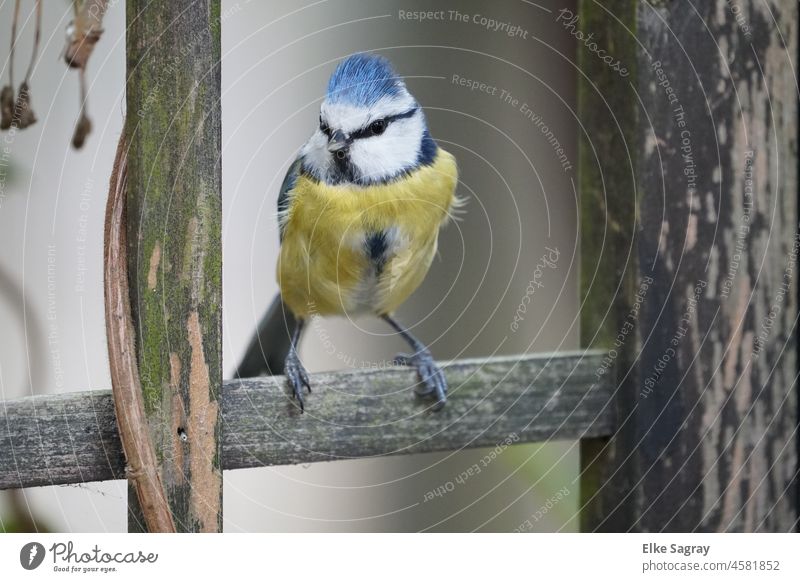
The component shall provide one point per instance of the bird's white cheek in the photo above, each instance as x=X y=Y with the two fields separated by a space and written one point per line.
x=384 y=156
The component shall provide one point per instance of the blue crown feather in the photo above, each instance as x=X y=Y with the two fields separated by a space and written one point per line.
x=362 y=80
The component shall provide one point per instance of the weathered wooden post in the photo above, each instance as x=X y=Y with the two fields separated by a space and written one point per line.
x=174 y=215
x=690 y=279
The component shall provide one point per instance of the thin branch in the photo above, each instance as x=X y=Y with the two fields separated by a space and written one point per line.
x=126 y=388
x=84 y=125
x=13 y=43
x=82 y=35
x=7 y=93
x=37 y=37
x=20 y=114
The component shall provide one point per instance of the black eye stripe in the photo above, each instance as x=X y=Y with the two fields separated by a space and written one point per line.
x=366 y=132
x=323 y=127
x=389 y=118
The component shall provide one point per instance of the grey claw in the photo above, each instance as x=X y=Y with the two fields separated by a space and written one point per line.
x=305 y=379
x=297 y=377
x=431 y=379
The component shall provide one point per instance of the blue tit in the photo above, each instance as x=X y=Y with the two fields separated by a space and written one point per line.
x=359 y=214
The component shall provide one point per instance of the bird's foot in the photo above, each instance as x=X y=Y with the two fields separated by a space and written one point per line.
x=297 y=376
x=432 y=381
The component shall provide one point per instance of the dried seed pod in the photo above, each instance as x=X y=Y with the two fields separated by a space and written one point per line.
x=79 y=47
x=23 y=112
x=82 y=130
x=6 y=106
x=84 y=32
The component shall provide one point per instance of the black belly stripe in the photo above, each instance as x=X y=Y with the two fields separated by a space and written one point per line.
x=375 y=244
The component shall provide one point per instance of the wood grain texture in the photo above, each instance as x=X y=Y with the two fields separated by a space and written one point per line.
x=708 y=407
x=72 y=438
x=174 y=221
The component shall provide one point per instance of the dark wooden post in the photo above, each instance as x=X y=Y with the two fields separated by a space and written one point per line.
x=688 y=177
x=174 y=238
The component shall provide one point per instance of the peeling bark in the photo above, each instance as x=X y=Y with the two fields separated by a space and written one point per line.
x=709 y=390
x=141 y=466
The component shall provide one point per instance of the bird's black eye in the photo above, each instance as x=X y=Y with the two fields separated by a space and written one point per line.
x=378 y=127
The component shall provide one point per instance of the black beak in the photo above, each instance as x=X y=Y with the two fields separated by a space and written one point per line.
x=338 y=144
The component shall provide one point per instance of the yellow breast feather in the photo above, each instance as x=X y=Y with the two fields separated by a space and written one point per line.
x=325 y=266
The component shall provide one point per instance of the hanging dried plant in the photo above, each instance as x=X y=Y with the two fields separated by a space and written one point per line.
x=23 y=112
x=7 y=94
x=84 y=126
x=6 y=106
x=84 y=31
x=82 y=35
x=18 y=112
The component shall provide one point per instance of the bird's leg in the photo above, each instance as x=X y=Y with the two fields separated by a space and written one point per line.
x=296 y=374
x=432 y=381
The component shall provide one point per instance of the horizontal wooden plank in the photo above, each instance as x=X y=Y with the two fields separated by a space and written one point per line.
x=72 y=438
x=57 y=439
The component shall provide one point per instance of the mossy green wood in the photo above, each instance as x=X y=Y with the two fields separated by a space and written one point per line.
x=175 y=254
x=706 y=394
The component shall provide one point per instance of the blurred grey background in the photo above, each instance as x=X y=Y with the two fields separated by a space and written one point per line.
x=277 y=56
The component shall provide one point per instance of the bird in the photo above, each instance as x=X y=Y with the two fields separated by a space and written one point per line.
x=359 y=214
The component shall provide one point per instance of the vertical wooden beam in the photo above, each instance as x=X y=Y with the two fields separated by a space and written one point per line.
x=691 y=159
x=174 y=238
x=608 y=228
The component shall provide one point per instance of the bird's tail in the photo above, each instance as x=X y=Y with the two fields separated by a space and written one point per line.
x=267 y=350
